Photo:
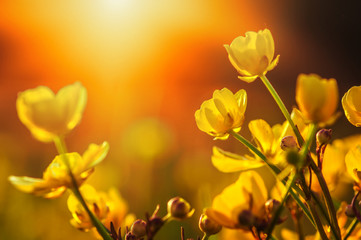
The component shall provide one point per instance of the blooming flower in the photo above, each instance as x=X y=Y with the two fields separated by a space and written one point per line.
x=351 y=103
x=317 y=98
x=268 y=141
x=247 y=195
x=48 y=115
x=106 y=206
x=252 y=55
x=222 y=113
x=56 y=178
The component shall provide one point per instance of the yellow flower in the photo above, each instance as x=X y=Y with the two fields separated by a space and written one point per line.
x=252 y=55
x=222 y=113
x=353 y=164
x=248 y=194
x=268 y=141
x=351 y=103
x=56 y=178
x=96 y=203
x=317 y=98
x=48 y=115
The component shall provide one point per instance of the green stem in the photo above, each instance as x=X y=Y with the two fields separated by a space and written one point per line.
x=282 y=107
x=205 y=236
x=61 y=147
x=318 y=173
x=319 y=225
x=351 y=228
x=275 y=171
x=278 y=212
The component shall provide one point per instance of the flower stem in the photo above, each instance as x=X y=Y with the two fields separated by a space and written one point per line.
x=61 y=147
x=275 y=171
x=205 y=236
x=280 y=208
x=282 y=107
x=351 y=228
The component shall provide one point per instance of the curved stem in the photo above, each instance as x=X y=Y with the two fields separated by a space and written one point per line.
x=61 y=147
x=205 y=236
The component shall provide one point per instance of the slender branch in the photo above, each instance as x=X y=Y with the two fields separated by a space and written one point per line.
x=61 y=147
x=278 y=212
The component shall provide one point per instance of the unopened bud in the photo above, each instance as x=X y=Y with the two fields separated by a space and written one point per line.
x=138 y=228
x=246 y=218
x=324 y=136
x=208 y=226
x=288 y=142
x=179 y=208
x=349 y=211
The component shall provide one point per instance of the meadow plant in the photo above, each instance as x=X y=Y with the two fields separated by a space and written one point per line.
x=306 y=164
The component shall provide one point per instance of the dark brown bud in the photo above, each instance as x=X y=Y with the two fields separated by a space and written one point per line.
x=288 y=142
x=208 y=226
x=179 y=208
x=138 y=228
x=349 y=211
x=323 y=136
x=130 y=236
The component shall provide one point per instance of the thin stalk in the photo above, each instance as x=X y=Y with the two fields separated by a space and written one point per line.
x=319 y=228
x=61 y=147
x=351 y=228
x=275 y=171
x=282 y=107
x=280 y=208
x=205 y=236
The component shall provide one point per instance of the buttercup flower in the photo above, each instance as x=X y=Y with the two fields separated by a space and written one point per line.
x=56 y=178
x=351 y=103
x=96 y=203
x=241 y=204
x=317 y=98
x=222 y=113
x=252 y=55
x=48 y=115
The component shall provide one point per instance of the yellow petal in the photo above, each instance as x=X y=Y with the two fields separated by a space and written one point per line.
x=353 y=163
x=230 y=162
x=48 y=115
x=263 y=134
x=95 y=154
x=351 y=103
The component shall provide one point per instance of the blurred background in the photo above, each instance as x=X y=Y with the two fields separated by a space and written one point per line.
x=148 y=66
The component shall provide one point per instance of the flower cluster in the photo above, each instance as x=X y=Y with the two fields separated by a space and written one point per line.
x=246 y=208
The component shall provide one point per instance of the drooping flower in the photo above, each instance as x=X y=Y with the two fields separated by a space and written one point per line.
x=241 y=205
x=317 y=98
x=48 y=115
x=56 y=178
x=253 y=54
x=351 y=103
x=222 y=113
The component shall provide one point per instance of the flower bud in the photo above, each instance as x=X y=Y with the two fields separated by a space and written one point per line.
x=179 y=208
x=323 y=136
x=349 y=211
x=208 y=226
x=288 y=142
x=138 y=228
x=246 y=218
